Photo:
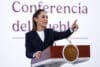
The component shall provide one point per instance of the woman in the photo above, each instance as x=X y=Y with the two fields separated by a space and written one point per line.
x=40 y=37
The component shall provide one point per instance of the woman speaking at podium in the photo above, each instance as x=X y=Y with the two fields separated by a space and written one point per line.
x=41 y=37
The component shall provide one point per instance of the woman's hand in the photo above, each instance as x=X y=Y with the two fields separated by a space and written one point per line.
x=37 y=54
x=74 y=26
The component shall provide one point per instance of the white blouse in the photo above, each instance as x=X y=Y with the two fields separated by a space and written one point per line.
x=41 y=35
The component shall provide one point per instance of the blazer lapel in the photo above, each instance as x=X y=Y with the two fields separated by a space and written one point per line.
x=38 y=37
x=45 y=34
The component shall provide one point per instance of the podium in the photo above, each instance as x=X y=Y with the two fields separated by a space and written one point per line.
x=53 y=57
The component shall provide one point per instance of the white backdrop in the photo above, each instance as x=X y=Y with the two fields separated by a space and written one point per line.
x=15 y=21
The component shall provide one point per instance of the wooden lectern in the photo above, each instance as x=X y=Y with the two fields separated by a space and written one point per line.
x=53 y=54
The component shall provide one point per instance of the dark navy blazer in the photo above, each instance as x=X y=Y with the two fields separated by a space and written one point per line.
x=33 y=42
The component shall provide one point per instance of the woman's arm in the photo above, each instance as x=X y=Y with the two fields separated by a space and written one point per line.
x=61 y=35
x=28 y=43
x=67 y=33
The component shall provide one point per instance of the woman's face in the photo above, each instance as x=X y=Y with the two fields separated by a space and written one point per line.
x=42 y=19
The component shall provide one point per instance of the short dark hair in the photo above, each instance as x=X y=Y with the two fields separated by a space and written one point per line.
x=36 y=15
